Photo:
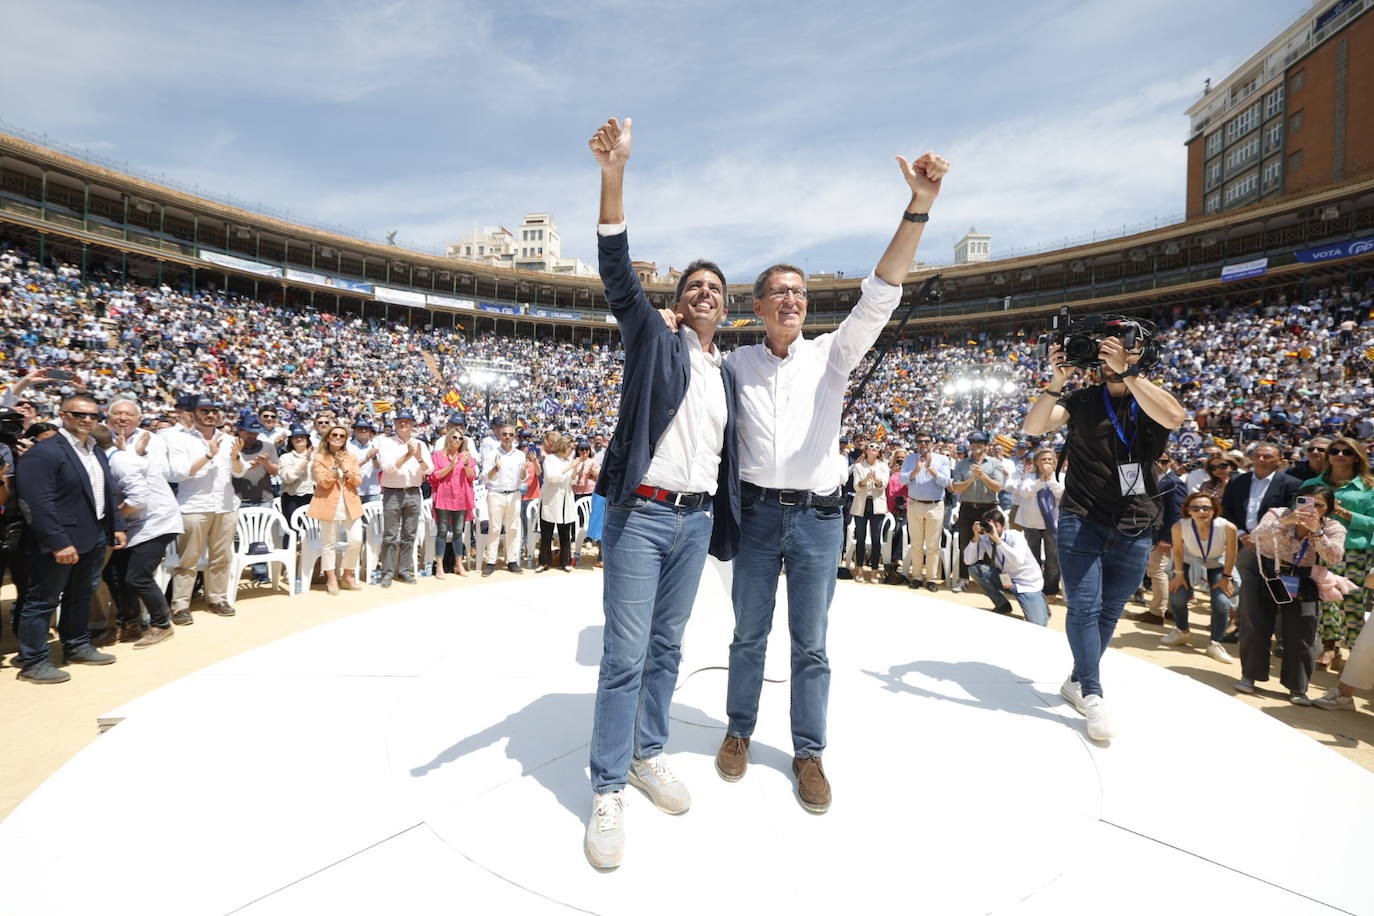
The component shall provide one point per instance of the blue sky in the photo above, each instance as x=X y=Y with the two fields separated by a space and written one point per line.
x=763 y=132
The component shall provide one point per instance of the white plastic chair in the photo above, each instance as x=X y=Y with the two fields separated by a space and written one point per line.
x=584 y=521
x=372 y=538
x=531 y=521
x=889 y=528
x=310 y=539
x=425 y=532
x=260 y=525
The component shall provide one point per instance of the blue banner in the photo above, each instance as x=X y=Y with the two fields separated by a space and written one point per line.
x=553 y=313
x=352 y=285
x=503 y=309
x=1244 y=270
x=1337 y=251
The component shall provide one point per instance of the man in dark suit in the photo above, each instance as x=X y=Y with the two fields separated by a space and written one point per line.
x=68 y=499
x=671 y=484
x=1244 y=502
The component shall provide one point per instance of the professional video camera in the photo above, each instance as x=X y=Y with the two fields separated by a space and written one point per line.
x=11 y=426
x=1082 y=338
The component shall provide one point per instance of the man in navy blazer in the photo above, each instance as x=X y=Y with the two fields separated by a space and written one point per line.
x=670 y=480
x=68 y=500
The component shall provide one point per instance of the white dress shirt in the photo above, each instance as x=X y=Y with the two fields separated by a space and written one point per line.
x=372 y=478
x=1258 y=487
x=687 y=456
x=211 y=489
x=1012 y=556
x=85 y=453
x=144 y=487
x=390 y=449
x=511 y=474
x=789 y=407
x=1026 y=488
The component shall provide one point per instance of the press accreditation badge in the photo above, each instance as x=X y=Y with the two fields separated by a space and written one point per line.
x=1006 y=581
x=1132 y=479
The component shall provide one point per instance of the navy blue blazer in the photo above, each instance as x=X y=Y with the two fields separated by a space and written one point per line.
x=56 y=499
x=1172 y=491
x=653 y=385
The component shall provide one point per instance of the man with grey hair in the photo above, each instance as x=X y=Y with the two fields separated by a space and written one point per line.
x=791 y=394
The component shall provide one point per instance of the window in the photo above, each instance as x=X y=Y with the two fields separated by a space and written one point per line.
x=1213 y=173
x=1295 y=122
x=1273 y=137
x=1273 y=171
x=469 y=249
x=1213 y=143
x=1241 y=187
x=1295 y=161
x=1242 y=153
x=481 y=250
x=1296 y=81
x=539 y=235
x=1212 y=203
x=1243 y=123
x=1273 y=102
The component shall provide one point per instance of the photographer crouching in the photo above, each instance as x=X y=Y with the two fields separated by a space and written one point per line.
x=1110 y=510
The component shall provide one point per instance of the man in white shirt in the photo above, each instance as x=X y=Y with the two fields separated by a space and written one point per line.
x=503 y=470
x=405 y=463
x=1001 y=561
x=203 y=462
x=671 y=495
x=791 y=394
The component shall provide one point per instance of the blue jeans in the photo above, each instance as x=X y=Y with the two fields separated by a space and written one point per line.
x=1221 y=605
x=807 y=540
x=1100 y=568
x=53 y=585
x=654 y=554
x=1033 y=604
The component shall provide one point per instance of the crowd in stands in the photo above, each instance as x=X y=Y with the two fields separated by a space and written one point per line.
x=238 y=404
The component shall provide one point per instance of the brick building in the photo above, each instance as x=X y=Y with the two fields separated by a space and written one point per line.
x=1294 y=117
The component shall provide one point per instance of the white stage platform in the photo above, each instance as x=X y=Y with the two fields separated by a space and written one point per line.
x=431 y=756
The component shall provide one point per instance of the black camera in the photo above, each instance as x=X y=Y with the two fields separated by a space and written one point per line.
x=1082 y=339
x=11 y=426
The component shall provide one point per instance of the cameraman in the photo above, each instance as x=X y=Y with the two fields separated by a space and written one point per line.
x=1117 y=428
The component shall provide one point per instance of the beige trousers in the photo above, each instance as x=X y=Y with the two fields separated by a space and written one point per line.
x=924 y=522
x=211 y=532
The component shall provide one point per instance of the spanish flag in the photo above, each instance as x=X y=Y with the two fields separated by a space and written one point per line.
x=452 y=399
x=381 y=406
x=1224 y=443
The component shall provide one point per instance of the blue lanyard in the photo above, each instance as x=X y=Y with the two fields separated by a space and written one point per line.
x=1116 y=423
x=1211 y=533
x=1297 y=561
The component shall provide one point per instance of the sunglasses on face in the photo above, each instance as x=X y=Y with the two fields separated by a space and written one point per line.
x=82 y=414
x=1217 y=467
x=1315 y=448
x=1199 y=507
x=1350 y=452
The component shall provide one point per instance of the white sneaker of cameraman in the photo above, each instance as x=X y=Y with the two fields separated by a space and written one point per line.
x=605 y=842
x=655 y=779
x=1100 y=724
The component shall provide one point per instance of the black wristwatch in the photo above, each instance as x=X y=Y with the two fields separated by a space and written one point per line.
x=915 y=217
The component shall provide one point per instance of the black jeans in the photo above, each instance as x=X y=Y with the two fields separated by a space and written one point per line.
x=968 y=514
x=1043 y=539
x=135 y=569
x=565 y=533
x=54 y=585
x=870 y=523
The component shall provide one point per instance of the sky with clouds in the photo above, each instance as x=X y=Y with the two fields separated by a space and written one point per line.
x=763 y=132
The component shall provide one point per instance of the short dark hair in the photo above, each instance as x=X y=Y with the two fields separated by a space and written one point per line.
x=697 y=265
x=1318 y=489
x=995 y=515
x=68 y=401
x=768 y=275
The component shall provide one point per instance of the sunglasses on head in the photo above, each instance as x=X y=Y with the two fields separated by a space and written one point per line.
x=1341 y=451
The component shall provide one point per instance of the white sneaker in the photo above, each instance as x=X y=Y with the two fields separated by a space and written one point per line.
x=605 y=843
x=1177 y=638
x=1217 y=651
x=1072 y=691
x=1299 y=699
x=1100 y=725
x=1333 y=699
x=655 y=779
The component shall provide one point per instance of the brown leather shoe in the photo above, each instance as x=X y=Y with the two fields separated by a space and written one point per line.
x=733 y=758
x=812 y=787
x=154 y=636
x=1145 y=617
x=130 y=632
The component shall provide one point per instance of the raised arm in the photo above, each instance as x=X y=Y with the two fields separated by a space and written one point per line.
x=611 y=147
x=1046 y=414
x=923 y=177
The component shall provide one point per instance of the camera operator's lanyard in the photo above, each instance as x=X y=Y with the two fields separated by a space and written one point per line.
x=1129 y=474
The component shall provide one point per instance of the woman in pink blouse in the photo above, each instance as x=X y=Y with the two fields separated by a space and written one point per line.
x=451 y=483
x=1287 y=544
